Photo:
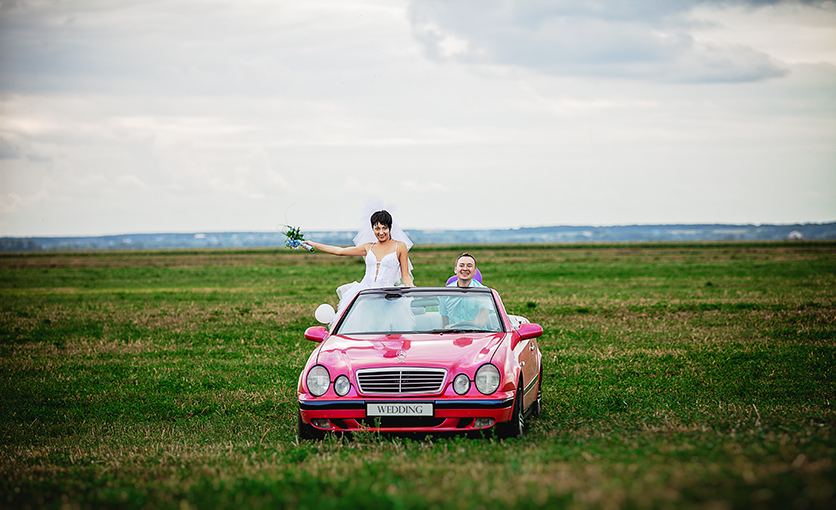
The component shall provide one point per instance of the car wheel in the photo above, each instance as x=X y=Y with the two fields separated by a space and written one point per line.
x=515 y=427
x=306 y=432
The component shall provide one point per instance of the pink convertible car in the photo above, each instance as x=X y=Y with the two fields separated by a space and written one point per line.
x=421 y=360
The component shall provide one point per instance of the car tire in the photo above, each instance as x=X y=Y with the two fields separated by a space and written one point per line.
x=515 y=427
x=306 y=432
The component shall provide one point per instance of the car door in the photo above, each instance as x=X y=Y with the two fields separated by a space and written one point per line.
x=526 y=353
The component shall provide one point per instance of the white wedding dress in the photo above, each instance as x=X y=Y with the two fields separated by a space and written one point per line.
x=383 y=273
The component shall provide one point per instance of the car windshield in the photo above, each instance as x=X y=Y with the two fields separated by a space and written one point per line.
x=421 y=310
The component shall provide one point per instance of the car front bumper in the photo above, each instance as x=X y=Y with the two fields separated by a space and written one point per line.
x=448 y=415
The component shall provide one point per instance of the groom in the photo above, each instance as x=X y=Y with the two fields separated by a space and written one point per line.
x=465 y=270
x=454 y=309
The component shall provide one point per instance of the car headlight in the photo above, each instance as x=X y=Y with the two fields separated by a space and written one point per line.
x=318 y=380
x=487 y=379
x=341 y=385
x=461 y=384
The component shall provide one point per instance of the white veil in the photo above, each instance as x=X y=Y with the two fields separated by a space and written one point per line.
x=366 y=234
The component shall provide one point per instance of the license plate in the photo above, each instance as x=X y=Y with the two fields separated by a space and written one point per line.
x=399 y=409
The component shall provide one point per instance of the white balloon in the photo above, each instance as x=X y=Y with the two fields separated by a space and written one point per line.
x=325 y=313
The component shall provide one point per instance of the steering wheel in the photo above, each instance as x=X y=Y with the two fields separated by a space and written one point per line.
x=464 y=323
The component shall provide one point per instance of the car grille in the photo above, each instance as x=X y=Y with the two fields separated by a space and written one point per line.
x=400 y=381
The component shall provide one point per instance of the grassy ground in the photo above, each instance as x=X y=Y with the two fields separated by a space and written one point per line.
x=676 y=376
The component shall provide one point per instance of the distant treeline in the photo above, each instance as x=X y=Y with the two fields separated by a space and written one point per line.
x=561 y=234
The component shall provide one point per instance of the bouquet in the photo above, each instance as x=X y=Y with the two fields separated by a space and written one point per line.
x=294 y=237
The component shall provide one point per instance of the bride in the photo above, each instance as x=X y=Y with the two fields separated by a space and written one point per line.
x=384 y=246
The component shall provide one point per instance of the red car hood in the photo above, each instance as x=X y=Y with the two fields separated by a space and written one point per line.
x=463 y=352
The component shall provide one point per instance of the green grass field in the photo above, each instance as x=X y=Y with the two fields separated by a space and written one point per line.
x=676 y=376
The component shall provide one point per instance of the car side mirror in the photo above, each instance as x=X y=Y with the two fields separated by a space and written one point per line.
x=529 y=330
x=316 y=333
x=325 y=313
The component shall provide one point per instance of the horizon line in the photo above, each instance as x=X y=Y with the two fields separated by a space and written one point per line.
x=625 y=225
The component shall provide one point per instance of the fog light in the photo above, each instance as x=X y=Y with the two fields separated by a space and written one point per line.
x=481 y=423
x=322 y=423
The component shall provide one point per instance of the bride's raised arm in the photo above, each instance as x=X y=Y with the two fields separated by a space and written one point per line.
x=359 y=250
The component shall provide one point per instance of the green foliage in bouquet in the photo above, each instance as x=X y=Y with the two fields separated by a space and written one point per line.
x=294 y=235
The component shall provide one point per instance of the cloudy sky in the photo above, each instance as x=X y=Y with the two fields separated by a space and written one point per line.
x=209 y=115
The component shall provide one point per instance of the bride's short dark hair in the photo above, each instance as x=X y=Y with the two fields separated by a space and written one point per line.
x=382 y=217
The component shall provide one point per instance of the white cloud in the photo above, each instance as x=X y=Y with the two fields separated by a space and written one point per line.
x=787 y=31
x=635 y=40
